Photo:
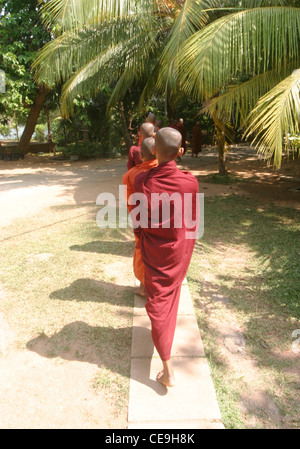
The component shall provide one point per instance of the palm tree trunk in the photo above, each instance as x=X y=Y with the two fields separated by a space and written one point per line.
x=32 y=119
x=221 y=154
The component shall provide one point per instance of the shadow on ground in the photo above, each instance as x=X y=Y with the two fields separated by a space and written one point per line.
x=91 y=290
x=124 y=249
x=250 y=259
x=103 y=346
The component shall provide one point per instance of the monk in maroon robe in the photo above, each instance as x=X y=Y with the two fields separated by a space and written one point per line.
x=149 y=119
x=197 y=139
x=182 y=129
x=166 y=251
x=134 y=157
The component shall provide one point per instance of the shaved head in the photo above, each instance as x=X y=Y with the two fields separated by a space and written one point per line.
x=147 y=130
x=167 y=143
x=146 y=148
x=151 y=117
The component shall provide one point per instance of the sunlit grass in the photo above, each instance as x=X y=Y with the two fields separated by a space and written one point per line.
x=249 y=257
x=68 y=284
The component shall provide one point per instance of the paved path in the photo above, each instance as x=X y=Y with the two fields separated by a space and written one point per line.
x=192 y=403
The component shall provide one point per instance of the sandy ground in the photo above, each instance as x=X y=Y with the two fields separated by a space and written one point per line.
x=30 y=185
x=31 y=384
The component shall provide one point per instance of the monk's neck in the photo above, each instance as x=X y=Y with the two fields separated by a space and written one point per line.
x=161 y=161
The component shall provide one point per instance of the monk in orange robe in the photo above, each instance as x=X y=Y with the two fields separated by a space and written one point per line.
x=166 y=247
x=149 y=161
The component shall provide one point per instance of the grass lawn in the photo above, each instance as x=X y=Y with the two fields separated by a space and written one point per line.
x=245 y=283
x=66 y=283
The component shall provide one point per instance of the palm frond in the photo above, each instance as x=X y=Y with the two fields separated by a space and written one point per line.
x=276 y=114
x=236 y=101
x=192 y=16
x=249 y=4
x=124 y=59
x=56 y=60
x=249 y=41
x=61 y=58
x=74 y=15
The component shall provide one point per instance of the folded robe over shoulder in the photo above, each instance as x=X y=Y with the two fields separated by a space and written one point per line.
x=129 y=176
x=166 y=251
x=134 y=156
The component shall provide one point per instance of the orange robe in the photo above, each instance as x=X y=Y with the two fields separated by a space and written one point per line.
x=128 y=180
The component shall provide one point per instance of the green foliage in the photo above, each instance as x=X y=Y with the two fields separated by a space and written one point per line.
x=4 y=130
x=189 y=110
x=292 y=141
x=282 y=115
x=21 y=35
x=88 y=150
x=244 y=59
x=227 y=179
x=40 y=131
x=104 y=42
x=89 y=128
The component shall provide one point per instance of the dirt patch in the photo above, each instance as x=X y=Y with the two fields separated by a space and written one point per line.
x=254 y=178
x=42 y=393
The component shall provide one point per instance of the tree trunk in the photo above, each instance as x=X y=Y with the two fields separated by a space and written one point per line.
x=32 y=119
x=221 y=146
x=125 y=131
x=85 y=135
x=169 y=108
x=221 y=153
x=48 y=124
x=50 y=141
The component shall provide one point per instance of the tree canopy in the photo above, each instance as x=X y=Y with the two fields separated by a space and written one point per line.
x=238 y=59
x=245 y=63
x=22 y=34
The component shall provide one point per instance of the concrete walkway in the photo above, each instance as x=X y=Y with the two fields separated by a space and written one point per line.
x=192 y=403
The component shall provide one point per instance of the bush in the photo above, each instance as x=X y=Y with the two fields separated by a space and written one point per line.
x=40 y=133
x=87 y=150
x=293 y=142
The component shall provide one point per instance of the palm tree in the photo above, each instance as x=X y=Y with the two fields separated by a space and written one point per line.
x=244 y=64
x=239 y=56
x=118 y=42
x=100 y=41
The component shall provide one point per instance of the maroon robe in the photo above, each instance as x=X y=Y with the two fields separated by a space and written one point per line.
x=197 y=140
x=134 y=156
x=166 y=252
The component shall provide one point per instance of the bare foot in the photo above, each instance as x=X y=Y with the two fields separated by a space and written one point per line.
x=166 y=380
x=140 y=290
